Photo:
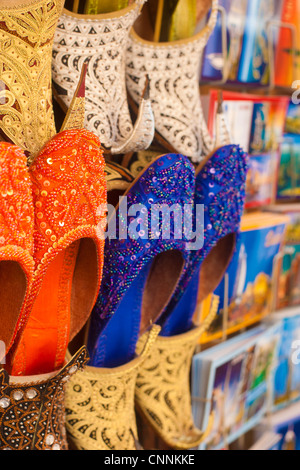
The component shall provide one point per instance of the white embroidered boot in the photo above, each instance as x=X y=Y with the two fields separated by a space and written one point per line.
x=173 y=69
x=100 y=41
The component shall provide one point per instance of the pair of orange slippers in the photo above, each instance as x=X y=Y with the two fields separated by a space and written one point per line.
x=51 y=248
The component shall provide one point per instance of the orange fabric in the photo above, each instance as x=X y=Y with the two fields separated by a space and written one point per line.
x=47 y=337
x=16 y=241
x=68 y=187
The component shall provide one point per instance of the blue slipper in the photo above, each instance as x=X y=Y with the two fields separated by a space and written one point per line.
x=140 y=275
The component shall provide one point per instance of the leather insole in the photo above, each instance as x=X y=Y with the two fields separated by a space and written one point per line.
x=145 y=24
x=162 y=280
x=13 y=286
x=215 y=264
x=84 y=285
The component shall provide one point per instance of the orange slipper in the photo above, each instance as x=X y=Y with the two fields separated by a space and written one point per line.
x=16 y=243
x=68 y=188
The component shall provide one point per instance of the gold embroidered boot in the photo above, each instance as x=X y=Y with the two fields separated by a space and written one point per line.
x=26 y=37
x=162 y=391
x=100 y=411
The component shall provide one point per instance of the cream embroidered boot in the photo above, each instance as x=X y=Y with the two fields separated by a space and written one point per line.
x=100 y=41
x=173 y=69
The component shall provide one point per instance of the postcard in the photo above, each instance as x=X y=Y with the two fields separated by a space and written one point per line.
x=289 y=269
x=289 y=168
x=246 y=291
x=231 y=383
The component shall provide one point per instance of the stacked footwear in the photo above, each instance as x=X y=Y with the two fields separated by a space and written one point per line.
x=122 y=305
